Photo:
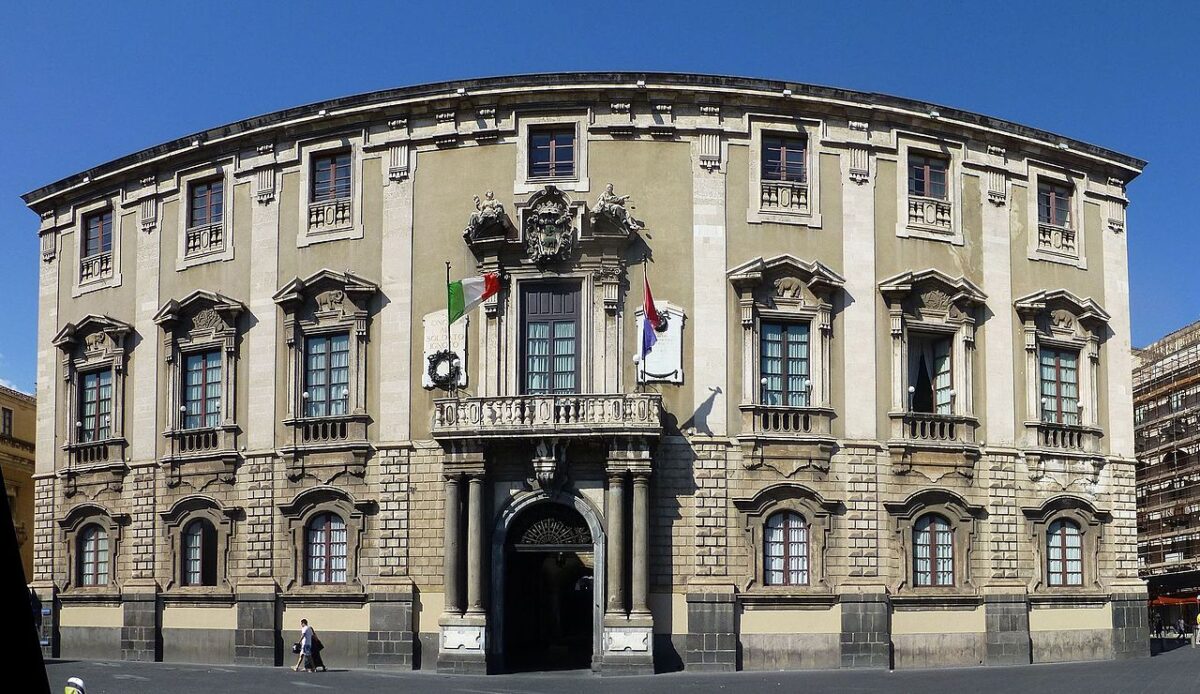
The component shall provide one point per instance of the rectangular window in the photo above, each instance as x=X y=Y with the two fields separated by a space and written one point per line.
x=202 y=390
x=551 y=152
x=930 y=373
x=551 y=342
x=97 y=234
x=330 y=177
x=327 y=375
x=927 y=176
x=206 y=203
x=783 y=364
x=783 y=159
x=95 y=406
x=1060 y=386
x=6 y=425
x=1054 y=204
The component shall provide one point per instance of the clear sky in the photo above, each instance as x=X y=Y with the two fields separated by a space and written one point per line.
x=83 y=83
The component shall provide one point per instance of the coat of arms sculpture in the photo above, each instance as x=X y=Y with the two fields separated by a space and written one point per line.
x=549 y=231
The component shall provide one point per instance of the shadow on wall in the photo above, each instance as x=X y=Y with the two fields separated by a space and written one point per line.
x=699 y=418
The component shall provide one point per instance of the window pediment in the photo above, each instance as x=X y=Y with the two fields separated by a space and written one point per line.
x=1076 y=508
x=767 y=498
x=94 y=338
x=89 y=512
x=201 y=316
x=932 y=296
x=195 y=503
x=328 y=296
x=1060 y=314
x=325 y=498
x=784 y=283
x=943 y=500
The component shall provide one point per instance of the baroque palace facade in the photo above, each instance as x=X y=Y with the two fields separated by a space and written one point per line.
x=888 y=421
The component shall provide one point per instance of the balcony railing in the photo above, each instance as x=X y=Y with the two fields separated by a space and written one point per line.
x=1067 y=437
x=785 y=196
x=329 y=215
x=202 y=240
x=929 y=213
x=1056 y=239
x=95 y=267
x=538 y=415
x=332 y=432
x=96 y=452
x=934 y=429
x=776 y=421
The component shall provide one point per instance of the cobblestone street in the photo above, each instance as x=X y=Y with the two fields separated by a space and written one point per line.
x=1176 y=671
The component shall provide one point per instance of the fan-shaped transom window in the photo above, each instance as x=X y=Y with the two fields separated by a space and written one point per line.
x=93 y=556
x=325 y=549
x=785 y=549
x=1064 y=554
x=933 y=551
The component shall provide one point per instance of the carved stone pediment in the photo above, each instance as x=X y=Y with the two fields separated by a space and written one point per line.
x=784 y=283
x=327 y=295
x=549 y=225
x=201 y=315
x=94 y=337
x=1060 y=314
x=932 y=296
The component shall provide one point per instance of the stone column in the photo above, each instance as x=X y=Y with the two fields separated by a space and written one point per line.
x=641 y=542
x=475 y=544
x=451 y=568
x=616 y=543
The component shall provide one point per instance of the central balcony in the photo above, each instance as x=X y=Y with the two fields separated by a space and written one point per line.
x=933 y=444
x=630 y=414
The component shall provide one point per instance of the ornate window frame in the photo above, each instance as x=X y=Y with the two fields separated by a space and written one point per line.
x=94 y=343
x=184 y=180
x=962 y=516
x=297 y=514
x=753 y=513
x=81 y=213
x=306 y=235
x=71 y=525
x=200 y=322
x=580 y=182
x=323 y=303
x=1077 y=182
x=1060 y=319
x=809 y=214
x=787 y=289
x=175 y=519
x=1091 y=522
x=954 y=152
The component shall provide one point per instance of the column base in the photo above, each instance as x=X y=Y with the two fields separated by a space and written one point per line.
x=712 y=637
x=627 y=646
x=462 y=644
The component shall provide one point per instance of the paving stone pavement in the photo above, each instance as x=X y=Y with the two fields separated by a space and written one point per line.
x=1173 y=672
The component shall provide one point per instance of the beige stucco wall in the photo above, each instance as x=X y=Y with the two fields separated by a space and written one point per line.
x=966 y=621
x=91 y=616
x=762 y=620
x=349 y=618
x=180 y=617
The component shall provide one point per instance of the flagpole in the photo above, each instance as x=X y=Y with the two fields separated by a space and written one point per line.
x=449 y=345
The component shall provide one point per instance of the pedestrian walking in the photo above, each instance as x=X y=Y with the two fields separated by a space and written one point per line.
x=317 y=647
x=304 y=647
x=1196 y=633
x=1181 y=628
x=1158 y=625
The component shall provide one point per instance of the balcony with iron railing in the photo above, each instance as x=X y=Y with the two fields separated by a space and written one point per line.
x=785 y=196
x=330 y=215
x=563 y=415
x=933 y=214
x=96 y=267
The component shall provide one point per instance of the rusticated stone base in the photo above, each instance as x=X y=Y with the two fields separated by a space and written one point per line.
x=712 y=632
x=390 y=640
x=1007 y=621
x=140 y=629
x=866 y=631
x=257 y=641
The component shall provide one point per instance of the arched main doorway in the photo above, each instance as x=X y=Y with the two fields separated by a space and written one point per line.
x=549 y=590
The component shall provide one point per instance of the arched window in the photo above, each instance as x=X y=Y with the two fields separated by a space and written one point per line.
x=933 y=551
x=785 y=549
x=199 y=567
x=93 y=556
x=1064 y=554
x=325 y=549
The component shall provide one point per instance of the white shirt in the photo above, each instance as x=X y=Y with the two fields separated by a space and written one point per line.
x=306 y=634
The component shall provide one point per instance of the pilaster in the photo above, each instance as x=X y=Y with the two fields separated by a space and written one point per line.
x=395 y=316
x=712 y=627
x=710 y=378
x=143 y=423
x=1000 y=414
x=860 y=315
x=261 y=342
x=390 y=639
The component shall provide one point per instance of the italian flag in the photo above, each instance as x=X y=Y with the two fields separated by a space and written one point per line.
x=466 y=294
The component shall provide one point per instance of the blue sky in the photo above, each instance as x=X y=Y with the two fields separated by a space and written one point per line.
x=83 y=83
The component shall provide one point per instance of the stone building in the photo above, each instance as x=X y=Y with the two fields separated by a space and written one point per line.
x=886 y=419
x=17 y=415
x=1166 y=397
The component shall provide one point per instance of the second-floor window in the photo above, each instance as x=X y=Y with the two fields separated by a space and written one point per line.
x=97 y=234
x=202 y=390
x=784 y=364
x=552 y=152
x=327 y=374
x=930 y=374
x=206 y=203
x=1054 y=204
x=783 y=159
x=6 y=425
x=1060 y=386
x=927 y=176
x=95 y=405
x=551 y=344
x=330 y=177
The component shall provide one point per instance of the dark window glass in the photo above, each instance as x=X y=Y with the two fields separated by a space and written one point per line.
x=202 y=390
x=551 y=152
x=206 y=203
x=783 y=364
x=97 y=233
x=1064 y=554
x=927 y=176
x=327 y=374
x=331 y=177
x=783 y=159
x=551 y=344
x=93 y=556
x=1054 y=204
x=8 y=422
x=933 y=551
x=1060 y=386
x=95 y=405
x=930 y=373
x=199 y=553
x=785 y=550
x=325 y=549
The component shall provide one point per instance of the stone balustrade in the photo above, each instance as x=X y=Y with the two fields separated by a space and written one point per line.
x=202 y=240
x=785 y=196
x=95 y=452
x=918 y=429
x=929 y=213
x=1056 y=239
x=329 y=215
x=780 y=421
x=1067 y=437
x=95 y=267
x=539 y=415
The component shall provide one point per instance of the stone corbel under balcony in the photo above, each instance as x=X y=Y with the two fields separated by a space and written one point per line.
x=786 y=439
x=94 y=464
x=933 y=445
x=209 y=452
x=1065 y=452
x=325 y=447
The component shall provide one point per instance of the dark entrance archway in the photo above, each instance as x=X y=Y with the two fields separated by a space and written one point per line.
x=549 y=590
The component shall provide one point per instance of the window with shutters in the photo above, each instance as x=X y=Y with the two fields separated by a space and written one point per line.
x=199 y=554
x=1060 y=385
x=93 y=556
x=1064 y=554
x=550 y=345
x=327 y=375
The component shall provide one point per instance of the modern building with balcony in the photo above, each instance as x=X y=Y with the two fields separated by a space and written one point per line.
x=1166 y=382
x=886 y=419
